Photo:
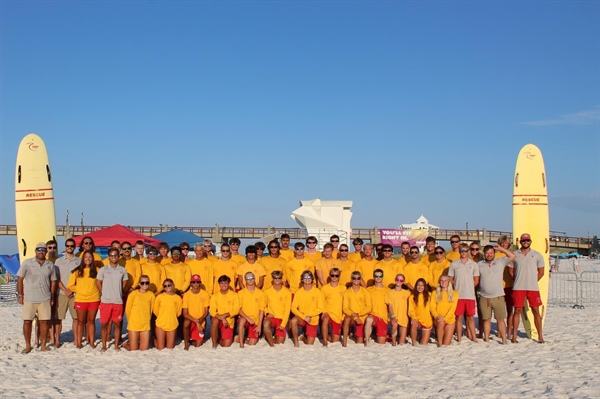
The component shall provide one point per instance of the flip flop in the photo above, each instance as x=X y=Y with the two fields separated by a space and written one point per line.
x=46 y=349
x=26 y=350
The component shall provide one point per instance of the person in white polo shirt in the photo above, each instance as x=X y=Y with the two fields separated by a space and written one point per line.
x=464 y=275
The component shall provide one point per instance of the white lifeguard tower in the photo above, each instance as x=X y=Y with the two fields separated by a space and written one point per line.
x=322 y=219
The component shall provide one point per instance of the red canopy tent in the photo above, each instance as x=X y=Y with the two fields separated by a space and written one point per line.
x=103 y=238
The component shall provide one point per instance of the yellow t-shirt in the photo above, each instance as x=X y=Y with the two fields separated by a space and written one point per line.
x=156 y=273
x=421 y=311
x=180 y=274
x=358 y=302
x=164 y=261
x=97 y=259
x=134 y=271
x=399 y=302
x=271 y=264
x=403 y=261
x=347 y=268
x=120 y=262
x=415 y=271
x=436 y=270
x=204 y=268
x=366 y=267
x=252 y=303
x=196 y=303
x=139 y=309
x=225 y=303
x=167 y=308
x=378 y=296
x=279 y=303
x=84 y=287
x=333 y=301
x=451 y=256
x=390 y=269
x=239 y=259
x=427 y=259
x=356 y=256
x=313 y=257
x=444 y=308
x=293 y=272
x=308 y=303
x=325 y=265
x=224 y=268
x=287 y=254
x=256 y=268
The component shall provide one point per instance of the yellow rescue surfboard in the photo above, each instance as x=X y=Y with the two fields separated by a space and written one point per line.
x=530 y=215
x=34 y=197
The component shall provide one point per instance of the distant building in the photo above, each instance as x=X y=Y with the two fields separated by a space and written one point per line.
x=421 y=224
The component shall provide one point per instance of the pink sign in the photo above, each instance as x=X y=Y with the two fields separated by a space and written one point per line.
x=395 y=237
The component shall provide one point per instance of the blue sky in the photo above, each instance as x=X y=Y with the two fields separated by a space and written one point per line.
x=197 y=113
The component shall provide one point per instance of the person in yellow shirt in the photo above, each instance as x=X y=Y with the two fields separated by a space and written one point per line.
x=251 y=264
x=438 y=268
x=324 y=264
x=397 y=302
x=358 y=254
x=307 y=305
x=443 y=306
x=133 y=267
x=154 y=270
x=333 y=302
x=252 y=311
x=405 y=249
x=346 y=266
x=167 y=309
x=279 y=304
x=260 y=250
x=419 y=311
x=311 y=249
x=139 y=252
x=225 y=266
x=117 y=245
x=429 y=254
x=208 y=249
x=454 y=254
x=366 y=266
x=139 y=308
x=389 y=265
x=87 y=244
x=295 y=268
x=272 y=262
x=357 y=305
x=224 y=306
x=236 y=256
x=195 y=310
x=178 y=271
x=285 y=251
x=203 y=267
x=185 y=250
x=335 y=241
x=379 y=313
x=82 y=282
x=163 y=250
x=415 y=270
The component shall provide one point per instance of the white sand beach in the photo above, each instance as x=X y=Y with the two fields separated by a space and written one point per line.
x=567 y=366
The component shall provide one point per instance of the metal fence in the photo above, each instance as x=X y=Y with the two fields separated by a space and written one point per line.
x=573 y=289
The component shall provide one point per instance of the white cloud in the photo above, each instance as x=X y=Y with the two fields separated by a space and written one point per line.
x=578 y=118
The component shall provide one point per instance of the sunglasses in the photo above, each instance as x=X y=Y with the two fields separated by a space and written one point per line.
x=225 y=250
x=464 y=250
x=69 y=246
x=335 y=240
x=273 y=247
x=41 y=250
x=334 y=275
x=343 y=250
x=414 y=252
x=126 y=248
x=195 y=282
x=87 y=243
x=387 y=250
x=185 y=249
x=53 y=247
x=356 y=278
x=311 y=242
x=307 y=278
x=144 y=282
x=167 y=286
x=378 y=275
x=474 y=249
x=399 y=280
x=299 y=249
x=176 y=253
x=526 y=240
x=250 y=279
x=207 y=246
x=454 y=242
x=152 y=253
x=439 y=252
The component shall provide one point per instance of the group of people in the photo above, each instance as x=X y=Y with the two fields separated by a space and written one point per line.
x=364 y=295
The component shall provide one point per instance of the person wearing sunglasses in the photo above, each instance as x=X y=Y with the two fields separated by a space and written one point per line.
x=167 y=309
x=438 y=267
x=358 y=253
x=307 y=306
x=475 y=252
x=52 y=254
x=178 y=271
x=82 y=282
x=527 y=269
x=66 y=298
x=207 y=245
x=296 y=267
x=224 y=307
x=419 y=311
x=397 y=302
x=154 y=270
x=203 y=267
x=415 y=269
x=260 y=250
x=429 y=254
x=111 y=281
x=195 y=311
x=139 y=308
x=347 y=266
x=311 y=249
x=36 y=294
x=327 y=262
x=277 y=312
x=378 y=316
x=389 y=265
x=366 y=266
x=252 y=311
x=357 y=305
x=272 y=262
x=443 y=307
x=185 y=250
x=335 y=241
x=454 y=254
x=87 y=244
x=251 y=264
x=225 y=266
x=333 y=302
x=508 y=282
x=464 y=276
x=236 y=256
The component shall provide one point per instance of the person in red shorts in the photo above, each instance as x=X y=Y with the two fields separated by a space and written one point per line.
x=464 y=276
x=252 y=311
x=224 y=306
x=333 y=297
x=527 y=269
x=279 y=304
x=195 y=311
x=307 y=306
x=378 y=317
x=357 y=305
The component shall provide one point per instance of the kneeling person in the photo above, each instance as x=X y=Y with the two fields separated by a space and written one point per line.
x=252 y=311
x=195 y=310
x=224 y=306
x=307 y=305
x=279 y=303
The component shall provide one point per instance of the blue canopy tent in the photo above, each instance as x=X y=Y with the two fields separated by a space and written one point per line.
x=175 y=237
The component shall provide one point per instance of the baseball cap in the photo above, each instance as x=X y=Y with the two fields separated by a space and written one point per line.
x=196 y=277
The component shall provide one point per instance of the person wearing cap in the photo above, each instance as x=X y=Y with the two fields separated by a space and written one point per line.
x=277 y=312
x=224 y=306
x=195 y=310
x=251 y=264
x=36 y=286
x=252 y=311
